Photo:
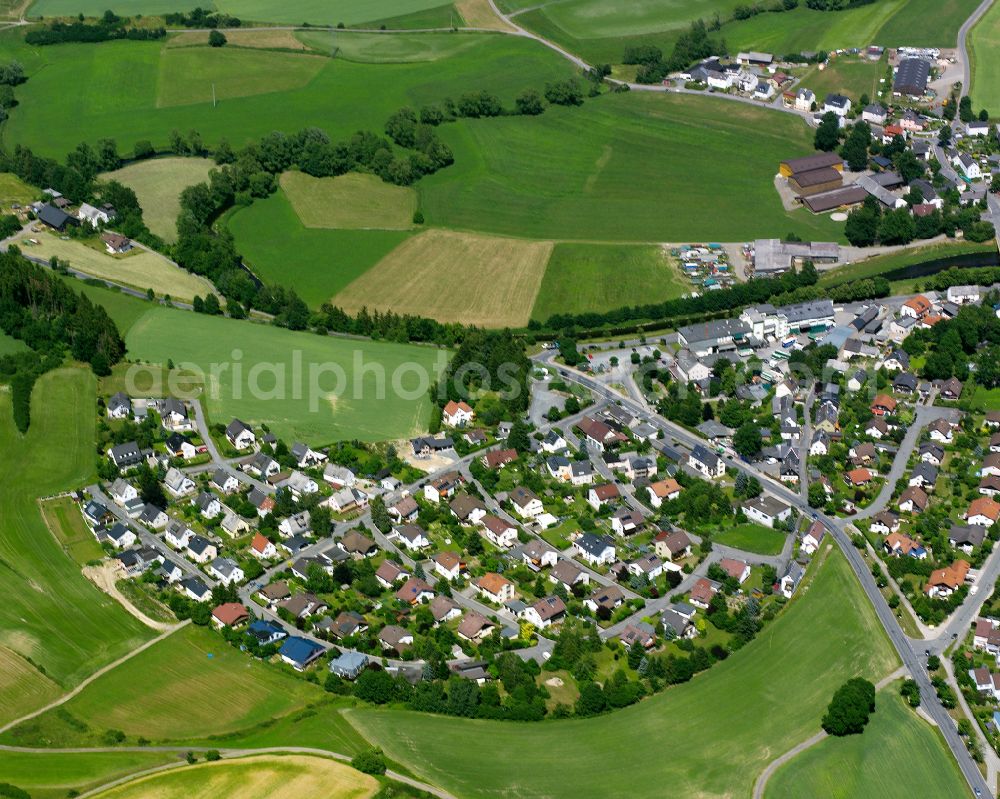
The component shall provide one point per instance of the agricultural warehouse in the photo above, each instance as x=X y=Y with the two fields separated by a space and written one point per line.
x=911 y=78
x=816 y=181
x=839 y=198
x=773 y=256
x=715 y=336
x=797 y=167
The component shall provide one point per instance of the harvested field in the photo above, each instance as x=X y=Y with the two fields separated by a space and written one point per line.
x=261 y=39
x=455 y=277
x=22 y=687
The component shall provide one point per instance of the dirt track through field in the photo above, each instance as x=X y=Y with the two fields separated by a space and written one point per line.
x=105 y=577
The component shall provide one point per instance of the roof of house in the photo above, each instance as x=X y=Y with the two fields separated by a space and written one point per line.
x=493 y=583
x=549 y=607
x=951 y=576
x=733 y=567
x=984 y=506
x=231 y=613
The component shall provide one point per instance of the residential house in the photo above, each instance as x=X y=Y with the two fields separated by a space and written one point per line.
x=537 y=554
x=125 y=456
x=737 y=569
x=119 y=406
x=467 y=509
x=226 y=570
x=405 y=510
x=266 y=632
x=883 y=405
x=897 y=544
x=663 y=491
x=415 y=591
x=702 y=592
x=790 y=579
x=672 y=546
x=706 y=462
x=349 y=665
x=208 y=504
x=944 y=582
x=916 y=307
x=474 y=627
x=951 y=389
x=300 y=653
x=357 y=545
x=767 y=510
x=195 y=589
x=412 y=536
x=457 y=414
x=568 y=574
x=498 y=458
x=262 y=548
x=240 y=435
x=983 y=511
x=153 y=517
x=444 y=487
x=813 y=537
x=966 y=537
x=595 y=549
x=444 y=609
x=389 y=573
x=608 y=597
x=262 y=465
x=602 y=494
x=177 y=534
x=545 y=612
x=305 y=456
x=913 y=500
x=200 y=549
x=526 y=503
x=448 y=565
x=498 y=532
x=495 y=587
x=626 y=521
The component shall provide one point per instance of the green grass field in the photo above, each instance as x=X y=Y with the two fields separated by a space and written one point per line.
x=158 y=183
x=351 y=201
x=600 y=31
x=51 y=613
x=316 y=262
x=65 y=521
x=752 y=538
x=378 y=48
x=342 y=98
x=15 y=190
x=9 y=345
x=49 y=775
x=596 y=277
x=898 y=756
x=190 y=684
x=270 y=387
x=293 y=12
x=633 y=167
x=851 y=77
x=984 y=52
x=274 y=776
x=23 y=688
x=987 y=398
x=710 y=737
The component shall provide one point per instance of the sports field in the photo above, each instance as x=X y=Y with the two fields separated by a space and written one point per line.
x=274 y=776
x=984 y=51
x=191 y=683
x=306 y=387
x=51 y=775
x=23 y=687
x=65 y=521
x=132 y=91
x=316 y=262
x=158 y=183
x=352 y=201
x=632 y=167
x=50 y=612
x=898 y=756
x=752 y=538
x=710 y=737
x=455 y=277
x=139 y=268
x=378 y=48
x=597 y=277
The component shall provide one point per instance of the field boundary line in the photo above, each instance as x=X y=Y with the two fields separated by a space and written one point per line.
x=225 y=754
x=99 y=673
x=761 y=784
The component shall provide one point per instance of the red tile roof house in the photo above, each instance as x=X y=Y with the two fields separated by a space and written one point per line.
x=598 y=495
x=702 y=593
x=448 y=565
x=944 y=582
x=545 y=612
x=457 y=414
x=987 y=635
x=499 y=458
x=415 y=591
x=495 y=587
x=883 y=405
x=230 y=614
x=737 y=569
x=913 y=500
x=813 y=537
x=389 y=573
x=915 y=307
x=261 y=548
x=474 y=626
x=983 y=511
x=858 y=477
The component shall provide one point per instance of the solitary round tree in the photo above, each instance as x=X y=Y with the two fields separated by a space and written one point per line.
x=217 y=38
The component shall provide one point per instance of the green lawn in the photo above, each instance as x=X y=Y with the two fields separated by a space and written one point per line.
x=15 y=190
x=158 y=183
x=50 y=612
x=363 y=389
x=53 y=775
x=118 y=85
x=845 y=75
x=65 y=521
x=987 y=398
x=317 y=262
x=632 y=167
x=710 y=737
x=984 y=52
x=190 y=684
x=898 y=756
x=353 y=201
x=752 y=538
x=596 y=277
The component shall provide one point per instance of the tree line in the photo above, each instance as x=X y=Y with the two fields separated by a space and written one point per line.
x=38 y=308
x=693 y=45
x=108 y=28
